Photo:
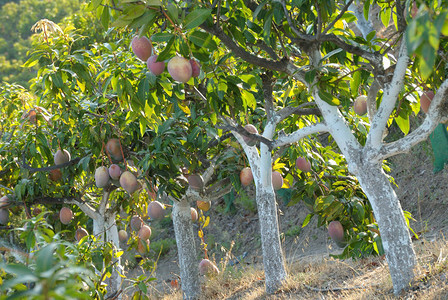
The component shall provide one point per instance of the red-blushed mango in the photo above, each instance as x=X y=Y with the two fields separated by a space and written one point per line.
x=194 y=214
x=55 y=175
x=303 y=164
x=61 y=157
x=246 y=176
x=360 y=105
x=114 y=171
x=142 y=246
x=195 y=68
x=114 y=149
x=80 y=233
x=129 y=182
x=156 y=67
x=144 y=232
x=122 y=236
x=204 y=205
x=4 y=202
x=32 y=116
x=156 y=210
x=196 y=182
x=142 y=47
x=136 y=223
x=65 y=215
x=336 y=232
x=251 y=129
x=277 y=180
x=102 y=178
x=425 y=100
x=180 y=69
x=206 y=267
x=4 y=216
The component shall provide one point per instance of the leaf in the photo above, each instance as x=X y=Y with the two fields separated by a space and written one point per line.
x=329 y=98
x=403 y=123
x=330 y=54
x=307 y=220
x=203 y=39
x=45 y=258
x=166 y=53
x=385 y=16
x=258 y=9
x=161 y=37
x=105 y=17
x=267 y=28
x=196 y=18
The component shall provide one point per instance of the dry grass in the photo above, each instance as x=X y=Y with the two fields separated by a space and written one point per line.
x=327 y=278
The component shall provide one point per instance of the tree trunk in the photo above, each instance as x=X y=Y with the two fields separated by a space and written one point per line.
x=273 y=258
x=112 y=237
x=389 y=215
x=186 y=248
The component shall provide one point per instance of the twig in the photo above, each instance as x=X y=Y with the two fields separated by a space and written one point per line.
x=44 y=169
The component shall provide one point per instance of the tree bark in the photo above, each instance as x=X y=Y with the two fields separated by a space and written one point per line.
x=273 y=258
x=389 y=215
x=186 y=248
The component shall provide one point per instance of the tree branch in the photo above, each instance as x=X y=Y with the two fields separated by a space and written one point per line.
x=267 y=93
x=436 y=114
x=375 y=58
x=44 y=169
x=299 y=134
x=283 y=65
x=391 y=92
x=243 y=132
x=298 y=110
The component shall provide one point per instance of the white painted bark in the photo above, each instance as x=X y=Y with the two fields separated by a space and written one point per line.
x=105 y=229
x=261 y=166
x=395 y=236
x=186 y=248
x=116 y=280
x=390 y=96
x=365 y=26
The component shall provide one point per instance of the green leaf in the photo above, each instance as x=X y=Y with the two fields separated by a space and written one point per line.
x=105 y=17
x=161 y=37
x=173 y=13
x=166 y=53
x=307 y=220
x=403 y=123
x=330 y=54
x=385 y=16
x=258 y=9
x=153 y=2
x=93 y=5
x=203 y=39
x=427 y=60
x=329 y=98
x=267 y=28
x=196 y=18
x=45 y=258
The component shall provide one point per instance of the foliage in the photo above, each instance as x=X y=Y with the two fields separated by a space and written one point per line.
x=56 y=268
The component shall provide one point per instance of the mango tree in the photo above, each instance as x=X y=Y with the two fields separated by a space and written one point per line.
x=320 y=61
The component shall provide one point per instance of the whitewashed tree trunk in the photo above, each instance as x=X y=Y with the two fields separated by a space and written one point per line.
x=273 y=258
x=395 y=236
x=186 y=248
x=112 y=237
